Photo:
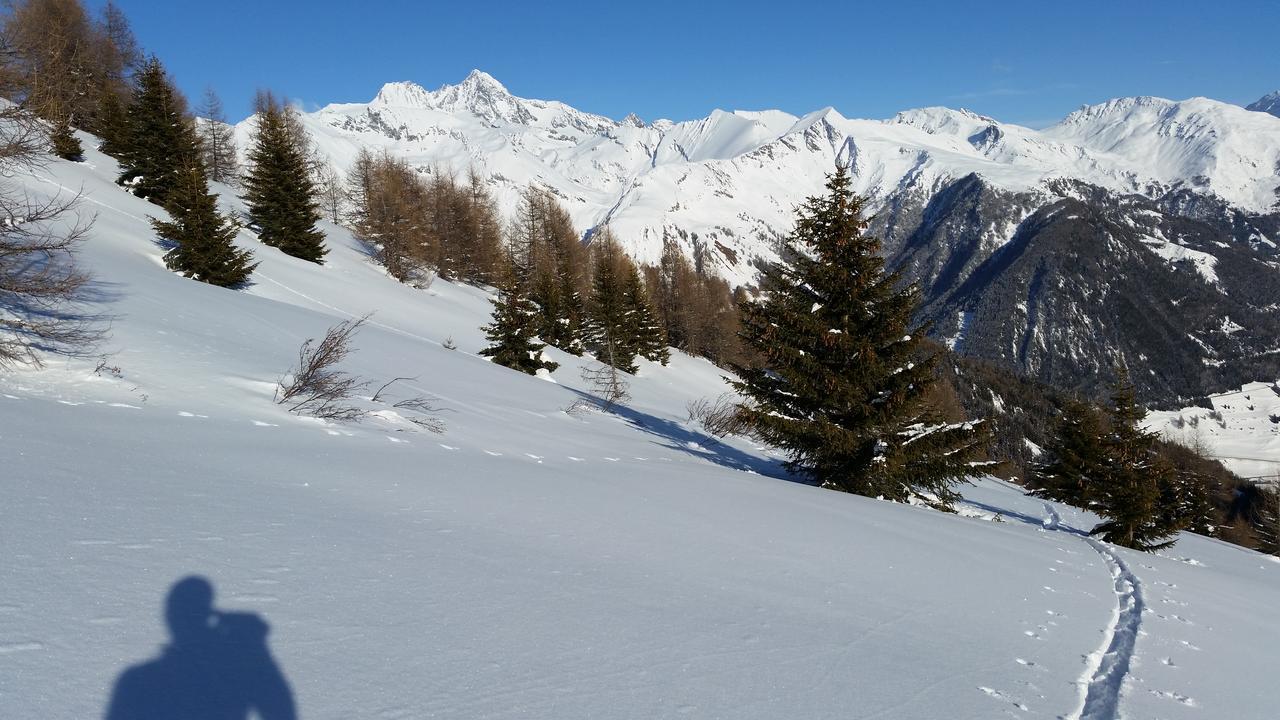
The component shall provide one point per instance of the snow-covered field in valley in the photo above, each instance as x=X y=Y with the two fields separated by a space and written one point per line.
x=530 y=563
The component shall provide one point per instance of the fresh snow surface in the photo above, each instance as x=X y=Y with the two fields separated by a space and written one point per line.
x=1242 y=430
x=532 y=564
x=734 y=178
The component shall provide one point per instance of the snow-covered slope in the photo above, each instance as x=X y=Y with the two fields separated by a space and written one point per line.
x=1242 y=430
x=732 y=179
x=528 y=563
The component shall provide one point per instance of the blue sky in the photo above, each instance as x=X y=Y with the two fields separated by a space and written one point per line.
x=1029 y=62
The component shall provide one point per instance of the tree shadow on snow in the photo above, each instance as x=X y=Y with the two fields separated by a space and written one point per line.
x=675 y=436
x=216 y=666
x=1024 y=518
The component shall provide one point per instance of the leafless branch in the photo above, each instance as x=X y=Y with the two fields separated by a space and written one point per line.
x=315 y=387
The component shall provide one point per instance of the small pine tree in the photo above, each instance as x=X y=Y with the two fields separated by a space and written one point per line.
x=202 y=237
x=283 y=204
x=63 y=141
x=513 y=333
x=842 y=378
x=159 y=136
x=1136 y=499
x=648 y=336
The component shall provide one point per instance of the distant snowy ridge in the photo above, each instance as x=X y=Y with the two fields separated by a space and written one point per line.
x=734 y=177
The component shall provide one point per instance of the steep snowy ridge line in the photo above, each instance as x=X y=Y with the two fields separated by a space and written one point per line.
x=1102 y=683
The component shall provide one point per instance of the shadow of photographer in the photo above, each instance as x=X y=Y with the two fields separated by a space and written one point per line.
x=216 y=666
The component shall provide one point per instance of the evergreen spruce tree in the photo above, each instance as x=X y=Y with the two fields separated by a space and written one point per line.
x=648 y=336
x=202 y=237
x=513 y=332
x=842 y=376
x=63 y=141
x=1076 y=458
x=609 y=315
x=282 y=199
x=1136 y=502
x=159 y=136
x=113 y=124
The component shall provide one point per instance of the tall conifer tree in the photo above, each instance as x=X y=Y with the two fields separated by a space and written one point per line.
x=609 y=316
x=1074 y=470
x=647 y=334
x=1137 y=500
x=283 y=204
x=513 y=332
x=159 y=136
x=203 y=238
x=842 y=374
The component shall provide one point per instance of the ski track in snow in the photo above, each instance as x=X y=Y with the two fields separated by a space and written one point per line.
x=1107 y=667
x=1051 y=518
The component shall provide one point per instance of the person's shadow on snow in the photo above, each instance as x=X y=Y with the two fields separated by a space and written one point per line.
x=217 y=667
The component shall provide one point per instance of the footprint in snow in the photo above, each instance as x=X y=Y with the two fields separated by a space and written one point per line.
x=1168 y=695
x=991 y=692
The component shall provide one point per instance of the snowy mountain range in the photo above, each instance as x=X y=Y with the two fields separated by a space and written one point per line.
x=1183 y=194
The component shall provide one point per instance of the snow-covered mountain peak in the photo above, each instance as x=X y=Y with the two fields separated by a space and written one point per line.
x=477 y=85
x=943 y=120
x=1269 y=103
x=403 y=94
x=481 y=95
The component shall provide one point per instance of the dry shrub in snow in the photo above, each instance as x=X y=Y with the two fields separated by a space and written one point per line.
x=315 y=387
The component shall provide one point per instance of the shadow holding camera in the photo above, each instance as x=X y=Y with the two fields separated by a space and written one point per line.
x=217 y=665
